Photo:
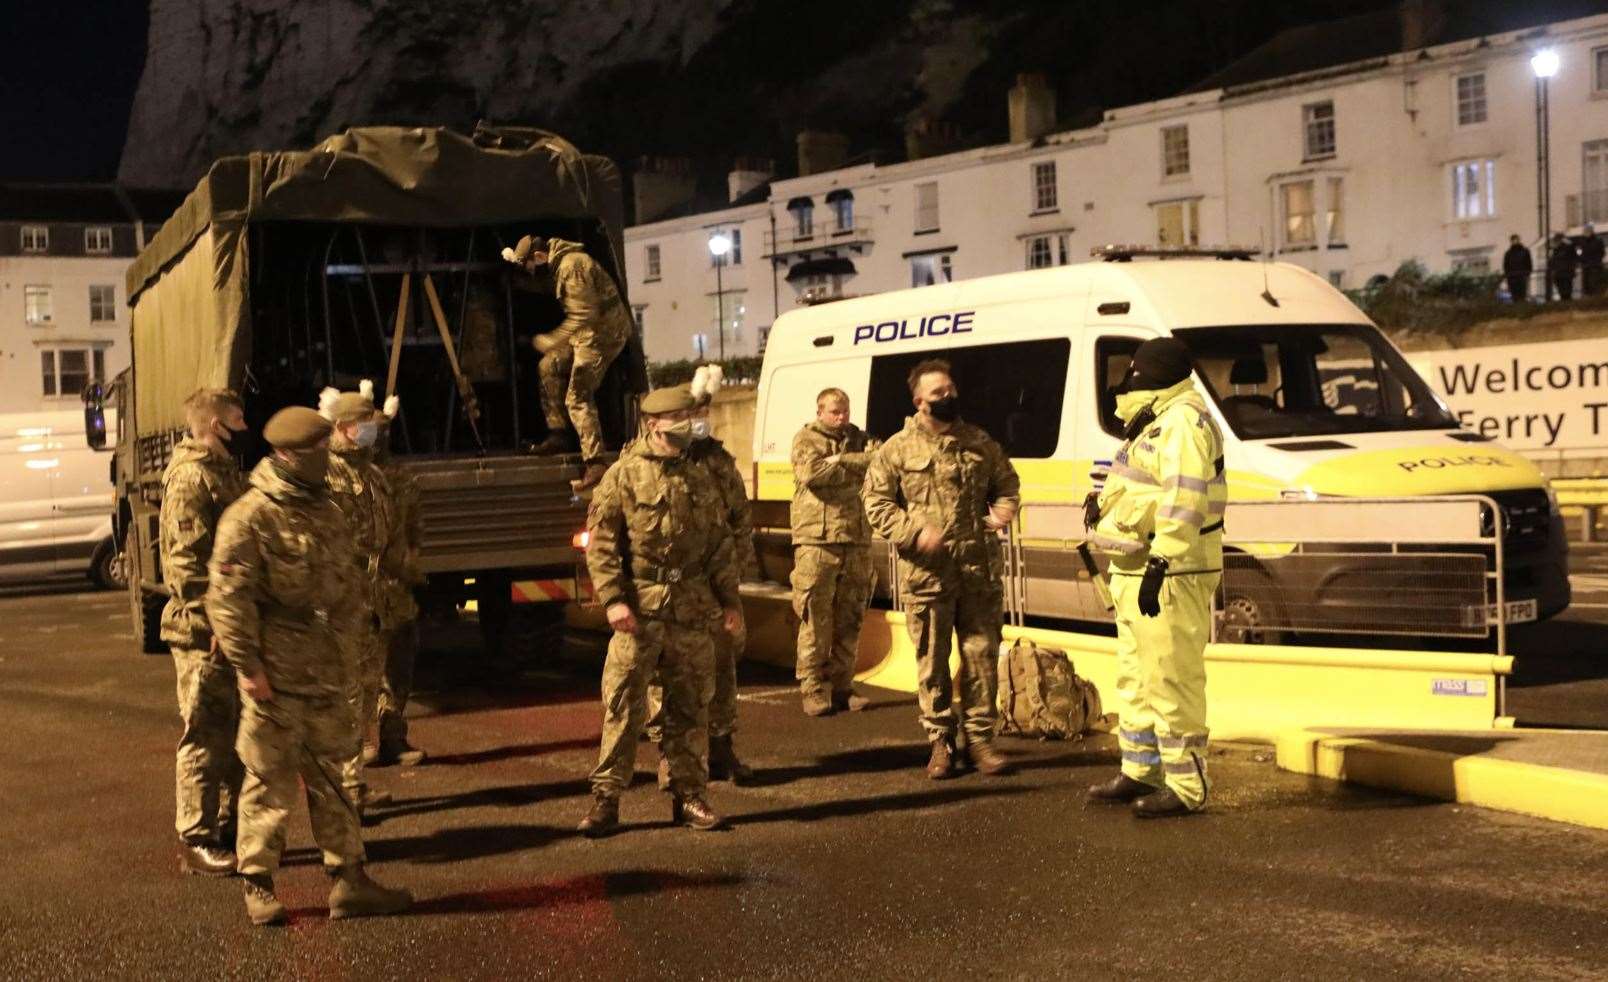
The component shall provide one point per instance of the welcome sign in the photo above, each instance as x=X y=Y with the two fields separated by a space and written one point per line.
x=1529 y=397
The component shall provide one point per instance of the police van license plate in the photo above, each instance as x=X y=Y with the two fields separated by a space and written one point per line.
x=1517 y=612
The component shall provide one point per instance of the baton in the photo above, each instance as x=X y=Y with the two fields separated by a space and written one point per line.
x=1094 y=574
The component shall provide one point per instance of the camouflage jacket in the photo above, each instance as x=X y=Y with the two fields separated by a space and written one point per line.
x=361 y=492
x=397 y=603
x=594 y=314
x=283 y=585
x=827 y=508
x=734 y=493
x=196 y=487
x=919 y=478
x=658 y=539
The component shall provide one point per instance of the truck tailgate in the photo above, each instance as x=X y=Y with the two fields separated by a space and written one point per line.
x=496 y=512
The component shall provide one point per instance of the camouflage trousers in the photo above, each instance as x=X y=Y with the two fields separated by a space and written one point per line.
x=363 y=651
x=396 y=684
x=295 y=737
x=723 y=704
x=683 y=659
x=831 y=587
x=972 y=609
x=207 y=772
x=570 y=375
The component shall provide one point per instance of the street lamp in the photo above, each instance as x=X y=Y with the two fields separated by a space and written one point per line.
x=1545 y=65
x=719 y=245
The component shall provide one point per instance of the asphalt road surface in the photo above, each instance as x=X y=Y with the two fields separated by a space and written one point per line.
x=1560 y=666
x=844 y=862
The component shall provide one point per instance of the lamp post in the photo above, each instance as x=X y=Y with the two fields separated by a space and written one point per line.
x=719 y=245
x=1545 y=65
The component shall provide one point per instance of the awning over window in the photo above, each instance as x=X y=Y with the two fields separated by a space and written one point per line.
x=803 y=202
x=838 y=194
x=820 y=267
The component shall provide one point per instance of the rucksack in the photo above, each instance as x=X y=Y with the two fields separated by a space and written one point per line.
x=1041 y=695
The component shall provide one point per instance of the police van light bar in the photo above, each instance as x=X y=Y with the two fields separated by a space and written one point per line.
x=1123 y=253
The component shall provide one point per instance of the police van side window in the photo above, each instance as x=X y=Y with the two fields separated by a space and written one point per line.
x=1013 y=391
x=1111 y=358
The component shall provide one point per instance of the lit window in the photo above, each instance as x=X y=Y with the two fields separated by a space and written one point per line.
x=653 y=262
x=1298 y=214
x=1474 y=189
x=1471 y=99
x=927 y=207
x=734 y=254
x=1318 y=125
x=930 y=269
x=1475 y=262
x=1336 y=230
x=1044 y=191
x=102 y=304
x=730 y=310
x=1174 y=151
x=36 y=304
x=98 y=240
x=67 y=371
x=1178 y=223
x=700 y=345
x=803 y=210
x=35 y=238
x=843 y=212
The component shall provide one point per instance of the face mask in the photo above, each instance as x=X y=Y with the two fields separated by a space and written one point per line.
x=308 y=467
x=678 y=435
x=366 y=434
x=1130 y=404
x=700 y=429
x=945 y=410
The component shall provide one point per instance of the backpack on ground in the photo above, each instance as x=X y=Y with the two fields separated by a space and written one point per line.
x=1041 y=695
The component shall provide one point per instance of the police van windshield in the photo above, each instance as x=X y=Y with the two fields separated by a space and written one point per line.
x=1299 y=380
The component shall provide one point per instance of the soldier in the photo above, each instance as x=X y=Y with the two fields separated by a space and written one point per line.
x=661 y=559
x=283 y=589
x=724 y=764
x=1160 y=518
x=399 y=608
x=201 y=480
x=940 y=490
x=577 y=353
x=832 y=572
x=359 y=489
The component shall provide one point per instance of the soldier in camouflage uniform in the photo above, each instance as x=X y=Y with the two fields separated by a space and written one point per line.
x=283 y=590
x=399 y=608
x=724 y=764
x=940 y=490
x=832 y=573
x=201 y=480
x=359 y=489
x=577 y=353
x=661 y=564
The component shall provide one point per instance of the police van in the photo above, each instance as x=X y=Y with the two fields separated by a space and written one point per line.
x=1313 y=401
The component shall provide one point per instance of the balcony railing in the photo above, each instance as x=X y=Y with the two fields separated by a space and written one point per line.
x=825 y=233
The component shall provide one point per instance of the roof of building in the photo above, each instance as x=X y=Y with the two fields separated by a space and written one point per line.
x=88 y=203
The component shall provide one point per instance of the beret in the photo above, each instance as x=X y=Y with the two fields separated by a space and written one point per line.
x=671 y=400
x=295 y=428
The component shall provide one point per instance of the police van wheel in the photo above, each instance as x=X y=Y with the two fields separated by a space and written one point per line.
x=1245 y=618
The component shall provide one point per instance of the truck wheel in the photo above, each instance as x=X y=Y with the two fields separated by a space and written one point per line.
x=536 y=633
x=1251 y=604
x=108 y=568
x=146 y=614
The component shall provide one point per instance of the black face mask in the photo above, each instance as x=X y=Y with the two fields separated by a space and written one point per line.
x=1135 y=426
x=945 y=410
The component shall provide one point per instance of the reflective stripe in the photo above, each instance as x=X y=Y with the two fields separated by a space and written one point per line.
x=1216 y=507
x=1150 y=758
x=1127 y=547
x=1194 y=741
x=1188 y=516
x=1145 y=738
x=1221 y=480
x=1186 y=482
x=1179 y=767
x=1134 y=474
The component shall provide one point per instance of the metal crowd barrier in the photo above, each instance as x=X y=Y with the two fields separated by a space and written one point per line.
x=1590 y=495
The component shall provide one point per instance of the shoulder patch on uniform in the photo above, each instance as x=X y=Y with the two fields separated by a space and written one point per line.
x=1155 y=432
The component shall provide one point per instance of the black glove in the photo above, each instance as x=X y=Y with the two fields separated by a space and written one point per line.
x=1150 y=586
x=1091 y=510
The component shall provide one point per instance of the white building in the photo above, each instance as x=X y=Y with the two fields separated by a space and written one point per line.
x=64 y=323
x=1416 y=152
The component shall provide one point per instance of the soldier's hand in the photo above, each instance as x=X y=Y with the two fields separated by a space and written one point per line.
x=930 y=539
x=733 y=621
x=543 y=343
x=999 y=516
x=621 y=618
x=257 y=687
x=833 y=459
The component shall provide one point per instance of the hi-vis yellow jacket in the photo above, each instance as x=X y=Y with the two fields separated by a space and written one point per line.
x=1166 y=490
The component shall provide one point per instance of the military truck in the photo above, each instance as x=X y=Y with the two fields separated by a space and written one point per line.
x=377 y=255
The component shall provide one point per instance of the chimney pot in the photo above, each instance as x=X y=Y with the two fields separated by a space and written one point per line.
x=1031 y=107
x=661 y=185
x=819 y=151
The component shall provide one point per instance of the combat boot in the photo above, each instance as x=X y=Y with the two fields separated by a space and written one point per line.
x=261 y=905
x=205 y=859
x=1120 y=790
x=695 y=813
x=589 y=478
x=987 y=760
x=355 y=895
x=817 y=704
x=603 y=819
x=556 y=442
x=396 y=752
x=942 y=762
x=723 y=762
x=664 y=772
x=849 y=701
x=1161 y=804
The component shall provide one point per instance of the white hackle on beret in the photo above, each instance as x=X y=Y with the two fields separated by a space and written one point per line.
x=393 y=405
x=365 y=388
x=326 y=402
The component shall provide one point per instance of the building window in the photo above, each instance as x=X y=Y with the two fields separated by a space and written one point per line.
x=734 y=255
x=700 y=346
x=843 y=213
x=1595 y=191
x=35 y=238
x=98 y=240
x=36 y=304
x=1044 y=191
x=1474 y=189
x=764 y=338
x=1298 y=215
x=1337 y=279
x=730 y=310
x=1178 y=223
x=1174 y=151
x=1335 y=233
x=1471 y=99
x=102 y=304
x=927 y=207
x=639 y=312
x=803 y=210
x=1318 y=126
x=66 y=371
x=930 y=269
x=652 y=262
x=1599 y=70
x=1038 y=252
x=1475 y=262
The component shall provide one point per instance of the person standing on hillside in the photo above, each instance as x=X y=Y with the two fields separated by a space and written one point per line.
x=1517 y=267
